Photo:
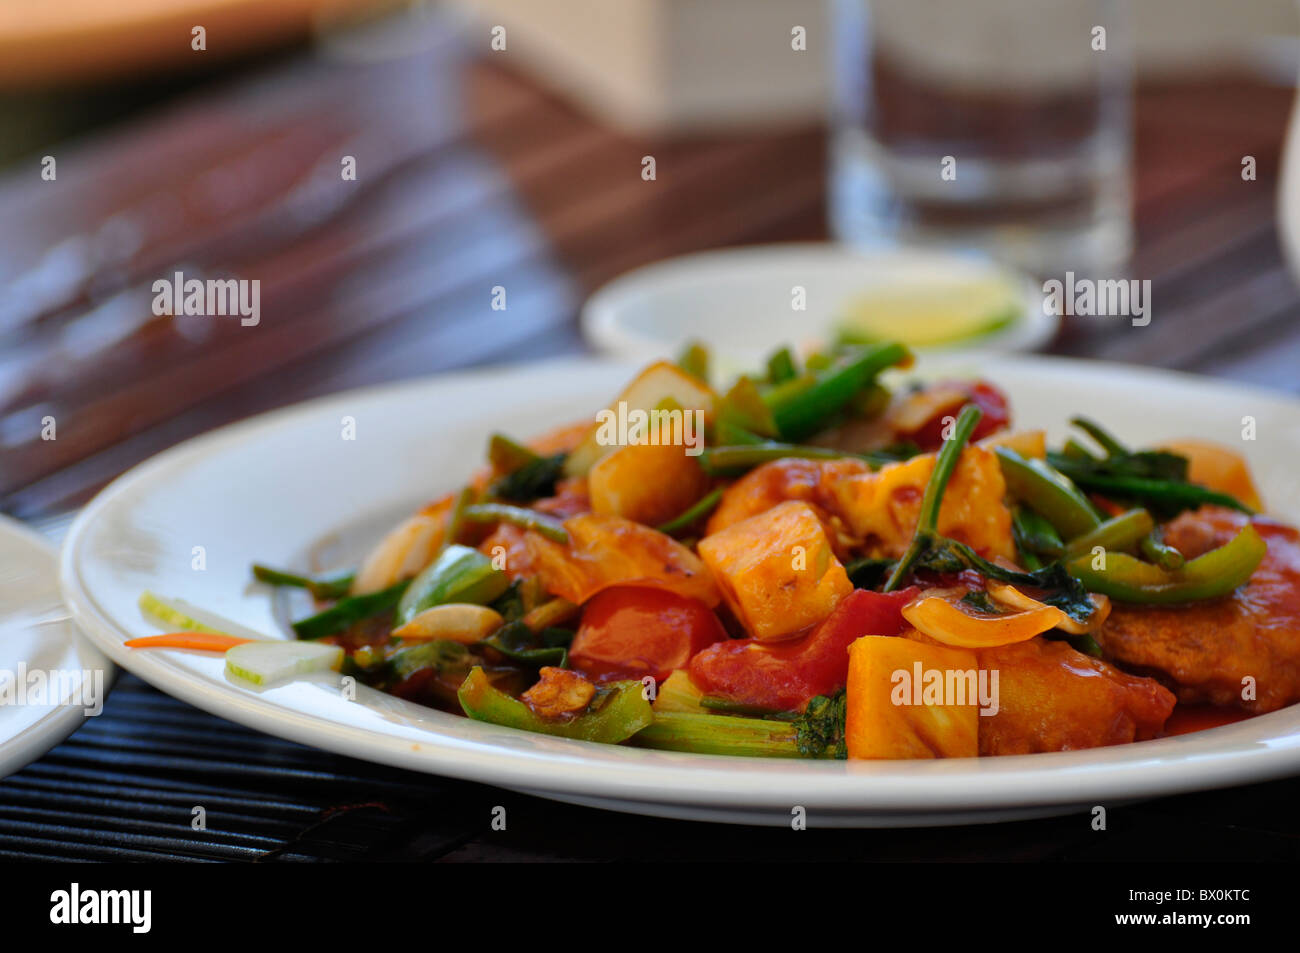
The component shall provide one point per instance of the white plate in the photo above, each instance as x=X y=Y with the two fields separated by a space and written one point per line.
x=282 y=485
x=37 y=641
x=739 y=300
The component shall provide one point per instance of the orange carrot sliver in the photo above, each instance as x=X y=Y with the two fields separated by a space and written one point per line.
x=198 y=641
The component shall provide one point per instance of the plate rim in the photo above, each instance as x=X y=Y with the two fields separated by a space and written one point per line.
x=861 y=787
x=48 y=732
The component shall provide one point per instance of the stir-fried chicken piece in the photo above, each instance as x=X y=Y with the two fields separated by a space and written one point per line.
x=559 y=693
x=774 y=483
x=1052 y=698
x=1241 y=650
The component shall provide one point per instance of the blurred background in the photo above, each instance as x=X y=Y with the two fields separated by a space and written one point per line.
x=502 y=143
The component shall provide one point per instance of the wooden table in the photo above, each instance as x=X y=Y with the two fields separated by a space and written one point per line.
x=470 y=176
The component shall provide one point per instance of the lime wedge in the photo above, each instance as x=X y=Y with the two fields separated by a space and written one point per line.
x=933 y=312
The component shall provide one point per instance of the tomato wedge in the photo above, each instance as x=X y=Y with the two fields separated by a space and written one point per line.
x=635 y=631
x=783 y=676
x=991 y=402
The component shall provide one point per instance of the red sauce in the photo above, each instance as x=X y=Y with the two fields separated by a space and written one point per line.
x=1189 y=718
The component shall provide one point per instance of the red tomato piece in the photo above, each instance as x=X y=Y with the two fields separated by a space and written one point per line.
x=635 y=631
x=990 y=400
x=785 y=675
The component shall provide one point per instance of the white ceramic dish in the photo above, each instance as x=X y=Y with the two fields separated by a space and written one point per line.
x=739 y=300
x=280 y=486
x=54 y=677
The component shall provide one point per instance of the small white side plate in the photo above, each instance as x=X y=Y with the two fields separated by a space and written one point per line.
x=51 y=678
x=739 y=300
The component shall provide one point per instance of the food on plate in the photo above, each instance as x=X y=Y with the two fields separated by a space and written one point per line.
x=818 y=561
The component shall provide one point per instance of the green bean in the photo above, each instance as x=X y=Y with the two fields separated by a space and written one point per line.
x=803 y=405
x=1156 y=492
x=540 y=523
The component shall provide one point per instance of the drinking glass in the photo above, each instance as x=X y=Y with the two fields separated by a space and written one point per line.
x=1002 y=125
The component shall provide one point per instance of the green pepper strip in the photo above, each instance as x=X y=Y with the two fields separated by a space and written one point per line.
x=1155 y=549
x=1043 y=489
x=803 y=405
x=694 y=360
x=1117 y=533
x=459 y=574
x=928 y=519
x=730 y=460
x=720 y=734
x=508 y=455
x=456 y=518
x=624 y=712
x=697 y=511
x=744 y=409
x=547 y=526
x=1215 y=573
x=347 y=611
x=322 y=587
x=780 y=367
x=548 y=614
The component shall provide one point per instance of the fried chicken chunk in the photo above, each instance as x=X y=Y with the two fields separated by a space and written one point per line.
x=1211 y=651
x=1052 y=698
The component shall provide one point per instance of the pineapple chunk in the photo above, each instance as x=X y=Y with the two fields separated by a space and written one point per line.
x=882 y=508
x=679 y=694
x=777 y=571
x=606 y=551
x=646 y=483
x=659 y=384
x=882 y=718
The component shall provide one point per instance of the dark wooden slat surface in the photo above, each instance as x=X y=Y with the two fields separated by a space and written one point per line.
x=471 y=175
